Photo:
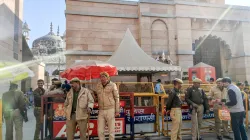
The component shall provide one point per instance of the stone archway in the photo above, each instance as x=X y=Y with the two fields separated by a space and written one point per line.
x=214 y=51
x=159 y=37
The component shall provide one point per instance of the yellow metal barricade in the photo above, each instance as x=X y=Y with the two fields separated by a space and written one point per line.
x=136 y=87
x=155 y=104
x=205 y=87
x=142 y=90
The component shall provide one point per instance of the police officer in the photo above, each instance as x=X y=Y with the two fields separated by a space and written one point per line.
x=174 y=104
x=13 y=107
x=38 y=93
x=78 y=104
x=198 y=102
x=217 y=94
x=109 y=106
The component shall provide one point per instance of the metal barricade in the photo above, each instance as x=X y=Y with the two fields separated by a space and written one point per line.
x=131 y=111
x=147 y=115
x=47 y=123
x=205 y=87
x=57 y=127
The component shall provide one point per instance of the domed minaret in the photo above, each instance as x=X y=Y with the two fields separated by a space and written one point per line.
x=26 y=31
x=49 y=49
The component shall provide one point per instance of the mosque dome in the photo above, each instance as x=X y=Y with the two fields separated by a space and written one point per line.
x=48 y=44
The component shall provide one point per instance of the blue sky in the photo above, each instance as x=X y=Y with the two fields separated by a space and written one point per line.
x=39 y=13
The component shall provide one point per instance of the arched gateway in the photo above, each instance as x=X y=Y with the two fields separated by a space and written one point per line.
x=213 y=51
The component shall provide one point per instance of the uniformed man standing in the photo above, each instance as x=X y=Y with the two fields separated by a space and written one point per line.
x=13 y=106
x=217 y=94
x=109 y=106
x=174 y=104
x=38 y=93
x=78 y=104
x=198 y=102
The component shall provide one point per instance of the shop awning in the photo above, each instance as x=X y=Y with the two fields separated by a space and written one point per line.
x=130 y=57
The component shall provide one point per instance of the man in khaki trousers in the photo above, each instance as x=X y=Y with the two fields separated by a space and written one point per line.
x=13 y=105
x=109 y=106
x=174 y=104
x=217 y=93
x=198 y=102
x=78 y=104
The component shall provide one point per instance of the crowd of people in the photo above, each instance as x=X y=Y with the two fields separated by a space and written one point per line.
x=79 y=102
x=223 y=95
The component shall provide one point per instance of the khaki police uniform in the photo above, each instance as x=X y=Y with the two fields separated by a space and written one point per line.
x=38 y=93
x=217 y=94
x=79 y=115
x=109 y=104
x=13 y=100
x=198 y=101
x=174 y=104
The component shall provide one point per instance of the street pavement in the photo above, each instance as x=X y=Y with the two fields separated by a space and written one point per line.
x=29 y=128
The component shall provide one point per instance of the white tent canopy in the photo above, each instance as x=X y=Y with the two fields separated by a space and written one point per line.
x=201 y=64
x=130 y=57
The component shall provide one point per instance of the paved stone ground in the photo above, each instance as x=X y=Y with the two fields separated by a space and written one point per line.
x=29 y=129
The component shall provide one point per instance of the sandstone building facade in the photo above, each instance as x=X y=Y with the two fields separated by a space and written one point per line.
x=11 y=17
x=188 y=31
